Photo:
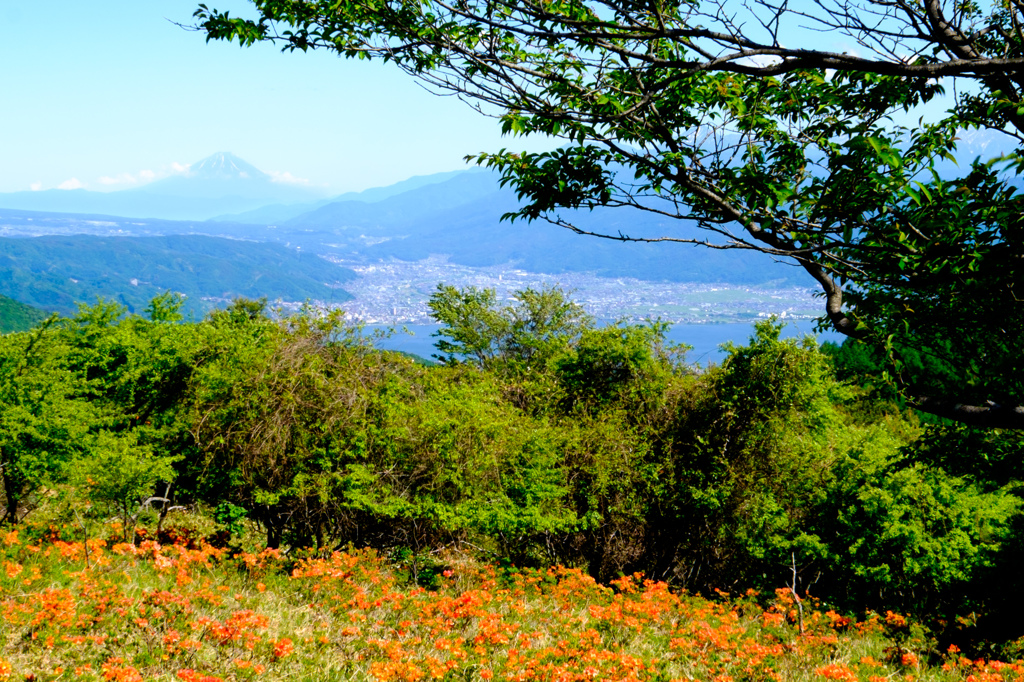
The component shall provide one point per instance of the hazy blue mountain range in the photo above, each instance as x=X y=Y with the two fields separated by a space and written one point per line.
x=453 y=214
x=461 y=218
x=276 y=213
x=54 y=273
x=473 y=235
x=216 y=185
x=402 y=208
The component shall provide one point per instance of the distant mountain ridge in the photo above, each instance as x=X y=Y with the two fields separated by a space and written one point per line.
x=401 y=208
x=58 y=272
x=455 y=214
x=219 y=184
x=458 y=217
x=276 y=213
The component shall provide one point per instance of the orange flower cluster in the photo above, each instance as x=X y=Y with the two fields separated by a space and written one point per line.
x=189 y=675
x=283 y=648
x=124 y=613
x=114 y=670
x=981 y=670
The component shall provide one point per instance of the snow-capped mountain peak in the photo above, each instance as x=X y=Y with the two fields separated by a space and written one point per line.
x=225 y=166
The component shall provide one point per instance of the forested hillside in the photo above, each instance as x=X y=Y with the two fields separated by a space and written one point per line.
x=18 y=317
x=58 y=273
x=540 y=439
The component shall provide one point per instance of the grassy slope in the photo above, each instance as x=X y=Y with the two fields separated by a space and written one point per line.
x=151 y=612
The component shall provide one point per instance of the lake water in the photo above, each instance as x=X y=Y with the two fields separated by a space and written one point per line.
x=706 y=339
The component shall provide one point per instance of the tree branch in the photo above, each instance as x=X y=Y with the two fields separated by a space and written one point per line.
x=988 y=416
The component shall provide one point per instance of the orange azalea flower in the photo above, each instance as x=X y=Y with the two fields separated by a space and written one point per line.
x=837 y=671
x=114 y=671
x=257 y=668
x=283 y=648
x=836 y=620
x=189 y=675
x=895 y=620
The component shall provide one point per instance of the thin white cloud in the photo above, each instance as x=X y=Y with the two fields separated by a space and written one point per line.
x=142 y=177
x=36 y=186
x=73 y=183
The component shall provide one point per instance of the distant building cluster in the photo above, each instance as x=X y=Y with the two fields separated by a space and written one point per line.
x=396 y=292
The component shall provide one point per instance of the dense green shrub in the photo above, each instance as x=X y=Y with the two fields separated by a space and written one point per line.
x=44 y=421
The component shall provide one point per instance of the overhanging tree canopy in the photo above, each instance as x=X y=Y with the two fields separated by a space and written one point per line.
x=734 y=119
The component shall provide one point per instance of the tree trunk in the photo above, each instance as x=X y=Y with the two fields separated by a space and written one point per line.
x=13 y=485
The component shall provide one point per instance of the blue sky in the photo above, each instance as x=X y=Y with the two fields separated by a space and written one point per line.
x=104 y=95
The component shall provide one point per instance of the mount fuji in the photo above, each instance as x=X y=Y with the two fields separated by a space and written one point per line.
x=225 y=175
x=219 y=184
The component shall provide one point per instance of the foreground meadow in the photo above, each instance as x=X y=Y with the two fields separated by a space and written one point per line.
x=104 y=609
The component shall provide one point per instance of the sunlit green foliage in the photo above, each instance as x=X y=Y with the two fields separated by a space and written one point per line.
x=521 y=336
x=118 y=475
x=42 y=424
